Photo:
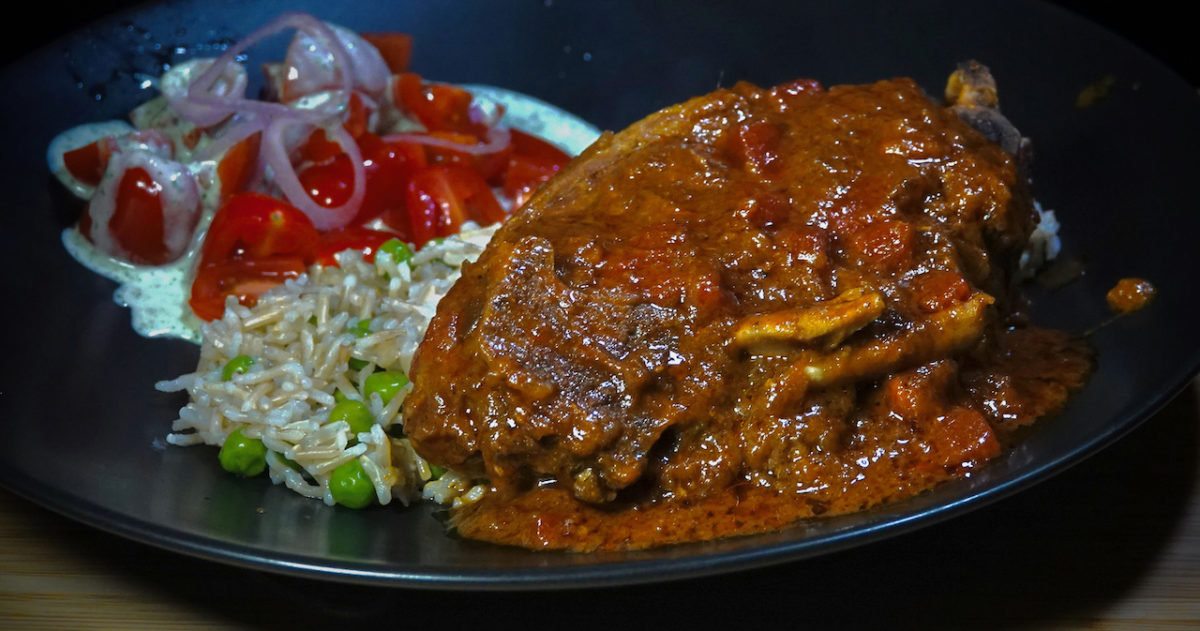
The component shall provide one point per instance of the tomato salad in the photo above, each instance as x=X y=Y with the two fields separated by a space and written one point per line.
x=347 y=149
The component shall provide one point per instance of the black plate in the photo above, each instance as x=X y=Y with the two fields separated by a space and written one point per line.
x=82 y=424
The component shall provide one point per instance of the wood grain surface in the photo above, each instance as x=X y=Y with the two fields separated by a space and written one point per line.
x=1113 y=543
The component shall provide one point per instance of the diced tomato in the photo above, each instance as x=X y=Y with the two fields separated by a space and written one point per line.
x=252 y=225
x=531 y=162
x=246 y=278
x=785 y=94
x=87 y=163
x=960 y=438
x=443 y=196
x=395 y=48
x=940 y=289
x=887 y=244
x=756 y=145
x=355 y=238
x=238 y=165
x=137 y=220
x=439 y=107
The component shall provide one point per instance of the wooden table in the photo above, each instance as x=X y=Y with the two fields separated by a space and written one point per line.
x=1113 y=543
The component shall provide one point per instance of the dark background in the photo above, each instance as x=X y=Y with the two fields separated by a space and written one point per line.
x=1154 y=25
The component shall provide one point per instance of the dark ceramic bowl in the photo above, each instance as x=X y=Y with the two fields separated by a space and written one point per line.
x=82 y=427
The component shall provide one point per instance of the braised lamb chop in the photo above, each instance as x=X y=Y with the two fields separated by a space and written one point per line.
x=756 y=306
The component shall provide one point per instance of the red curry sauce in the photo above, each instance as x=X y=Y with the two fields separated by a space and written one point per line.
x=748 y=309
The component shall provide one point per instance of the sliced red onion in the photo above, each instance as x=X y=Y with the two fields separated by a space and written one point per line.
x=276 y=156
x=498 y=139
x=180 y=199
x=312 y=65
x=228 y=85
x=200 y=93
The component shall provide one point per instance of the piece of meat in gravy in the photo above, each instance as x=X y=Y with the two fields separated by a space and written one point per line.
x=754 y=307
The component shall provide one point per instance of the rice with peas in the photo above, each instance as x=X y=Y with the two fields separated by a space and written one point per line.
x=302 y=337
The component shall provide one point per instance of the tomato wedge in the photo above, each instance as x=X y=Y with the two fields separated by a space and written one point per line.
x=439 y=107
x=256 y=226
x=442 y=197
x=388 y=166
x=137 y=219
x=247 y=279
x=87 y=163
x=254 y=243
x=531 y=162
x=395 y=48
x=238 y=165
x=328 y=183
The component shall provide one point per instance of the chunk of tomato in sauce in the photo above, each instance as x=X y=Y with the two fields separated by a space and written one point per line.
x=936 y=290
x=756 y=145
x=886 y=244
x=960 y=438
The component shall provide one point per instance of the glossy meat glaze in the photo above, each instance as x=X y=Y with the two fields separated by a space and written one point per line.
x=751 y=308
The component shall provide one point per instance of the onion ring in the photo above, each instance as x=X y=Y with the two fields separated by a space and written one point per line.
x=275 y=154
x=498 y=139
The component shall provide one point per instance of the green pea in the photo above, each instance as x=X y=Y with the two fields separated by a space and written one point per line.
x=351 y=486
x=243 y=455
x=361 y=329
x=357 y=364
x=436 y=472
x=397 y=249
x=353 y=412
x=387 y=383
x=312 y=320
x=238 y=365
